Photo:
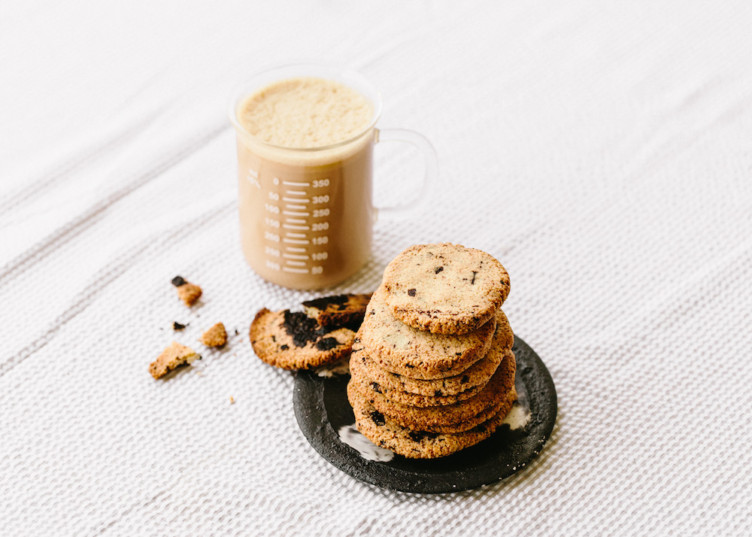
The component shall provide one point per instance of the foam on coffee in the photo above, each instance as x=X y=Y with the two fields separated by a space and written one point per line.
x=305 y=113
x=305 y=167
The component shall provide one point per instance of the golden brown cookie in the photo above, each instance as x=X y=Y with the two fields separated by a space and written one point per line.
x=216 y=336
x=455 y=417
x=292 y=340
x=471 y=380
x=360 y=371
x=338 y=310
x=417 y=444
x=188 y=292
x=418 y=354
x=171 y=358
x=445 y=288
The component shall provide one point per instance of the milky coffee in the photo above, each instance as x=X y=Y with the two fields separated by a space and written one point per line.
x=305 y=171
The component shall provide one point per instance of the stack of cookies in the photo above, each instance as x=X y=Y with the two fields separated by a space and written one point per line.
x=432 y=367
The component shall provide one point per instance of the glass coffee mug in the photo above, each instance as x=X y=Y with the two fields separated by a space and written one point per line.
x=306 y=214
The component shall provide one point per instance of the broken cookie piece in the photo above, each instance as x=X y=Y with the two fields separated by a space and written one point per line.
x=172 y=357
x=292 y=340
x=216 y=336
x=338 y=310
x=187 y=291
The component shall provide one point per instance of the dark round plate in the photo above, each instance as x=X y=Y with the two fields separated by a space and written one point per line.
x=322 y=410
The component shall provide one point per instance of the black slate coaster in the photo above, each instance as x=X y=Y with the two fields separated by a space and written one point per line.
x=321 y=408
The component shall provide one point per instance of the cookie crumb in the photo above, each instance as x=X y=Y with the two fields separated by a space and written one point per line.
x=189 y=293
x=232 y=400
x=178 y=326
x=172 y=357
x=216 y=336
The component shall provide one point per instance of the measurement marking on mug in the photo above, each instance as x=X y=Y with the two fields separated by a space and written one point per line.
x=295 y=235
x=288 y=226
x=294 y=256
x=295 y=207
x=293 y=183
x=295 y=200
x=296 y=192
x=295 y=220
x=296 y=263
x=294 y=213
x=294 y=249
x=298 y=270
x=295 y=241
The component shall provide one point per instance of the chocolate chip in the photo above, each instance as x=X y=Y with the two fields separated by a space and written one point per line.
x=437 y=270
x=323 y=302
x=378 y=418
x=411 y=292
x=284 y=347
x=178 y=326
x=465 y=379
x=472 y=282
x=177 y=281
x=326 y=344
x=417 y=436
x=376 y=387
x=300 y=327
x=437 y=393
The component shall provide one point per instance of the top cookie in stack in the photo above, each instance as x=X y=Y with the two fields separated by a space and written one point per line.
x=432 y=367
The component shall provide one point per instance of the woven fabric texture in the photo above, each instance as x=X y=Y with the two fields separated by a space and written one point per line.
x=602 y=151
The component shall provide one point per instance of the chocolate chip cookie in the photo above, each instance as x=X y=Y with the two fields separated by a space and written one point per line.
x=471 y=379
x=292 y=340
x=417 y=444
x=413 y=353
x=445 y=288
x=455 y=417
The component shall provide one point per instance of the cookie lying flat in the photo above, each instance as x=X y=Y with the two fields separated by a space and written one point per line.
x=414 y=353
x=414 y=444
x=171 y=358
x=359 y=370
x=338 y=310
x=471 y=380
x=459 y=416
x=445 y=288
x=292 y=340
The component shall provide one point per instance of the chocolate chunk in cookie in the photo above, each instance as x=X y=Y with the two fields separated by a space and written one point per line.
x=338 y=310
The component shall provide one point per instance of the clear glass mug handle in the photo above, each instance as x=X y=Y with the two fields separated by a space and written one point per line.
x=430 y=166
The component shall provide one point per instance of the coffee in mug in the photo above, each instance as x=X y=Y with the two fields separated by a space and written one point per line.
x=305 y=137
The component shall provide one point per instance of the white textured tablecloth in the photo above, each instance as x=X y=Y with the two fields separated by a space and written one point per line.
x=601 y=150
